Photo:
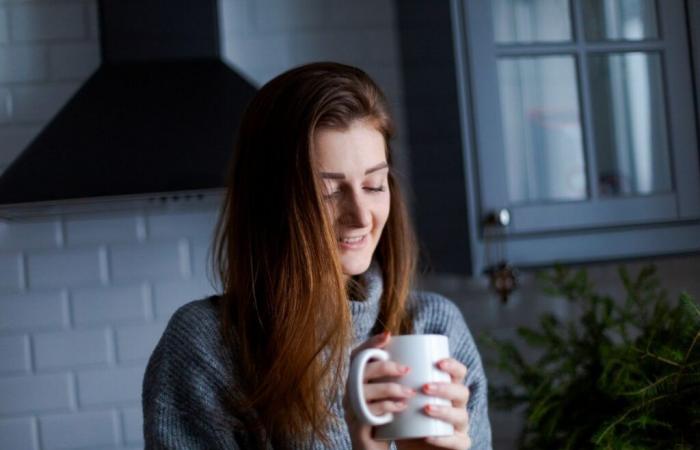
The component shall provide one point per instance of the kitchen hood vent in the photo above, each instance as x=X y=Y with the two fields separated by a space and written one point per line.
x=157 y=120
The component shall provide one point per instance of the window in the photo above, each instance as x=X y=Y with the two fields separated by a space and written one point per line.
x=580 y=122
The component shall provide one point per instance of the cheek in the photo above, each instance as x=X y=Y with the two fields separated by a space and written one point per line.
x=382 y=212
x=332 y=212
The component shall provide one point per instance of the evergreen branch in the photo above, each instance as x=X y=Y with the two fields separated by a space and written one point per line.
x=647 y=353
x=690 y=349
x=651 y=386
x=690 y=304
x=619 y=420
x=622 y=375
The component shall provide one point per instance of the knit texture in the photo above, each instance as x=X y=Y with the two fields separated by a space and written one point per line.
x=191 y=373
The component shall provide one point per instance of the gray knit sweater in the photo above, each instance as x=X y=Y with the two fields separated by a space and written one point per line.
x=190 y=373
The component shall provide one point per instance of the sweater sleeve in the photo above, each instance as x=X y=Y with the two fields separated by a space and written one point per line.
x=186 y=384
x=439 y=315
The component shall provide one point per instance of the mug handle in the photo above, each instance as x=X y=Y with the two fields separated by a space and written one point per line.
x=355 y=392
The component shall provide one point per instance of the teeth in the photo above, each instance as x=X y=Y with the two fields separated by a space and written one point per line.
x=352 y=240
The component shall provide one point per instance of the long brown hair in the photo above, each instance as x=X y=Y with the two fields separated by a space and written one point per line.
x=285 y=305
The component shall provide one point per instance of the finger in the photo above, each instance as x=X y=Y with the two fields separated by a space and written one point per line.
x=458 y=394
x=457 y=441
x=456 y=416
x=377 y=341
x=384 y=391
x=385 y=406
x=378 y=369
x=456 y=369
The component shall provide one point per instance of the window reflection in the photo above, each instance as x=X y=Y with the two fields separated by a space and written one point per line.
x=628 y=117
x=620 y=19
x=518 y=21
x=542 y=129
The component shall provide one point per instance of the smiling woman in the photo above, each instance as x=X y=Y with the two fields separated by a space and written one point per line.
x=316 y=256
x=354 y=168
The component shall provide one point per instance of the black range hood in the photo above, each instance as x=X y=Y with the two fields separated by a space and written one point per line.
x=158 y=117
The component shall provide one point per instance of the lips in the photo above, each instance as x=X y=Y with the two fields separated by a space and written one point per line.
x=353 y=242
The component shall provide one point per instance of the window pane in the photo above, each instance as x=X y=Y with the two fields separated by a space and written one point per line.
x=620 y=19
x=518 y=21
x=628 y=119
x=542 y=129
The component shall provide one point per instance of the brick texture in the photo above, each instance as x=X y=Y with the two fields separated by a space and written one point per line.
x=33 y=311
x=28 y=234
x=110 y=386
x=90 y=229
x=63 y=268
x=18 y=434
x=10 y=272
x=34 y=393
x=44 y=22
x=136 y=343
x=83 y=430
x=15 y=355
x=112 y=304
x=196 y=225
x=23 y=63
x=71 y=348
x=132 y=420
x=153 y=260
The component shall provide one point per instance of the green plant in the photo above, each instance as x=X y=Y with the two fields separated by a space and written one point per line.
x=621 y=375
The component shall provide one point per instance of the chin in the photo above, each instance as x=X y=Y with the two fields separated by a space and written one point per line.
x=356 y=266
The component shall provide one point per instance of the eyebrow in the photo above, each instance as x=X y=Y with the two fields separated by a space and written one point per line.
x=341 y=176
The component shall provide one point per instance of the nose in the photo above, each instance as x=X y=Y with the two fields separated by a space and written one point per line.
x=355 y=211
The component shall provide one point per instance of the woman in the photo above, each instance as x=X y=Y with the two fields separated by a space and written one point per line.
x=316 y=256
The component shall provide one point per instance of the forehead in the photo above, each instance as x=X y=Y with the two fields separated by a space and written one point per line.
x=356 y=148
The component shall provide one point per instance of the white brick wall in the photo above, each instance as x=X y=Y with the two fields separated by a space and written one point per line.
x=47 y=22
x=15 y=354
x=18 y=433
x=84 y=298
x=80 y=430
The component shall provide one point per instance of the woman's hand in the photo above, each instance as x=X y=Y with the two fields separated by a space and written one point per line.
x=381 y=397
x=457 y=415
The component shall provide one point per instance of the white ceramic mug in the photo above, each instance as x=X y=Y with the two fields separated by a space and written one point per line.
x=420 y=352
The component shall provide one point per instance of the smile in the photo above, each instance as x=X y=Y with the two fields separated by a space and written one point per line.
x=353 y=243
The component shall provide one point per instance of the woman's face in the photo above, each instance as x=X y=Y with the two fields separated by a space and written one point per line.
x=354 y=171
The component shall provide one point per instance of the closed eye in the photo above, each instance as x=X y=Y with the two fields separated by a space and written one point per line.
x=338 y=192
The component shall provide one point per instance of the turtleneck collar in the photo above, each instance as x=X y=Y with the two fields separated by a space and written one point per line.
x=365 y=311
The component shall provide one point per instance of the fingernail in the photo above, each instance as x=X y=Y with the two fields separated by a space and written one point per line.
x=408 y=391
x=444 y=365
x=404 y=369
x=429 y=387
x=429 y=408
